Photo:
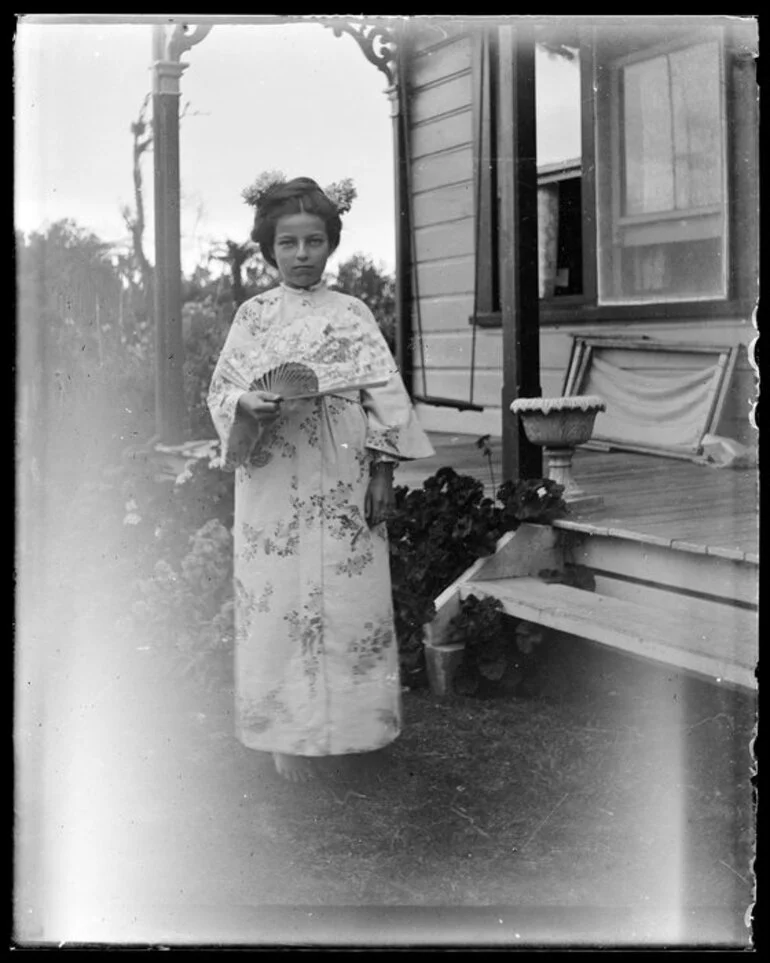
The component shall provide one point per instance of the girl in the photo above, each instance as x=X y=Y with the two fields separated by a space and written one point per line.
x=316 y=663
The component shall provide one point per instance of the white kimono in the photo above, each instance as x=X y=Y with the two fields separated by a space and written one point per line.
x=316 y=667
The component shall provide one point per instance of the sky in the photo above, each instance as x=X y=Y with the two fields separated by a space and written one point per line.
x=288 y=96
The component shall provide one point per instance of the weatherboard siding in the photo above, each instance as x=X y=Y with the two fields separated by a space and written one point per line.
x=441 y=154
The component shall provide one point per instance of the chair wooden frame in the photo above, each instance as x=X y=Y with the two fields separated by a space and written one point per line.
x=585 y=349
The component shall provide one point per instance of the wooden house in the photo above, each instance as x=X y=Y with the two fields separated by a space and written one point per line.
x=647 y=180
x=579 y=210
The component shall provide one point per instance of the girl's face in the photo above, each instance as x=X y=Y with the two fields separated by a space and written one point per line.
x=301 y=249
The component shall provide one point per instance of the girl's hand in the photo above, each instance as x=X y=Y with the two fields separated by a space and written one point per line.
x=262 y=406
x=380 y=501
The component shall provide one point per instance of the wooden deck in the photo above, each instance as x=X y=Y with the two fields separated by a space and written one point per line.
x=665 y=500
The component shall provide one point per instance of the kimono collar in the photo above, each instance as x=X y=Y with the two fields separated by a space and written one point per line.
x=302 y=292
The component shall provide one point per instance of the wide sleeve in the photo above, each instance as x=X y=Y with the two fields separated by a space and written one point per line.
x=229 y=381
x=393 y=432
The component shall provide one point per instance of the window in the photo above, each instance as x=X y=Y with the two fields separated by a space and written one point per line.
x=559 y=215
x=639 y=134
x=661 y=181
x=558 y=125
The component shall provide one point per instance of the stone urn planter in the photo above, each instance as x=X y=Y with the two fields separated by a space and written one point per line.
x=559 y=425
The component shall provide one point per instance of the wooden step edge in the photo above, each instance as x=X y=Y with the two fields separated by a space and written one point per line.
x=516 y=604
x=725 y=580
x=447 y=603
x=680 y=545
x=589 y=528
x=593 y=611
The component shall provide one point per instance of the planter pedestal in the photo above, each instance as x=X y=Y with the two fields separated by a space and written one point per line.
x=560 y=470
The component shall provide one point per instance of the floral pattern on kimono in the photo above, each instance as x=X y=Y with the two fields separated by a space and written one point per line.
x=316 y=659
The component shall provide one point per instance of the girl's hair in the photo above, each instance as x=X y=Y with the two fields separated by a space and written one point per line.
x=301 y=195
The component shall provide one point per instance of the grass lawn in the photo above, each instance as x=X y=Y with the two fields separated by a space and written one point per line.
x=610 y=803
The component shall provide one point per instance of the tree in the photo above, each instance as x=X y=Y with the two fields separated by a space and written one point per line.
x=138 y=269
x=363 y=279
x=245 y=257
x=86 y=366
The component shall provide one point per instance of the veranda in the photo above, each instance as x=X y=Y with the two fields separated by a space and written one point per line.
x=693 y=506
x=669 y=532
x=672 y=547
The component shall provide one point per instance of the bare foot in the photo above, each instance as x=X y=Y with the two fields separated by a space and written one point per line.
x=294 y=768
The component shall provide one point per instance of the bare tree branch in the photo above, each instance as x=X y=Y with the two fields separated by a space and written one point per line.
x=135 y=220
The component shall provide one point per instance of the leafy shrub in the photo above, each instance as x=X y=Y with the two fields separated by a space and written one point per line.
x=487 y=655
x=191 y=606
x=435 y=533
x=531 y=500
x=438 y=531
x=205 y=330
x=163 y=514
x=497 y=647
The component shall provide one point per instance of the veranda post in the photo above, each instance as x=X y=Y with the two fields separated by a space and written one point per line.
x=169 y=363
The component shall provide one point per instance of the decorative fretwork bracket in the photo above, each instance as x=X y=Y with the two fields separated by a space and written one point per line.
x=167 y=53
x=377 y=40
x=181 y=40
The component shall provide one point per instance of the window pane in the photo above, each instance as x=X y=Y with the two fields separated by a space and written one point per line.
x=649 y=148
x=557 y=107
x=559 y=119
x=661 y=195
x=697 y=134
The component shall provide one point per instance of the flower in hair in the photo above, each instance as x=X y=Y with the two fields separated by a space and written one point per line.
x=266 y=181
x=341 y=194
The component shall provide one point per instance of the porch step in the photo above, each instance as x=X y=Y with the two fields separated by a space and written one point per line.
x=681 y=606
x=721 y=650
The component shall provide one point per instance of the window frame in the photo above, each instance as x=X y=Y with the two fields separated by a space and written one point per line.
x=610 y=126
x=741 y=162
x=742 y=194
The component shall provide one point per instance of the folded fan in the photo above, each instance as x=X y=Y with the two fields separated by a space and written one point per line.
x=289 y=380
